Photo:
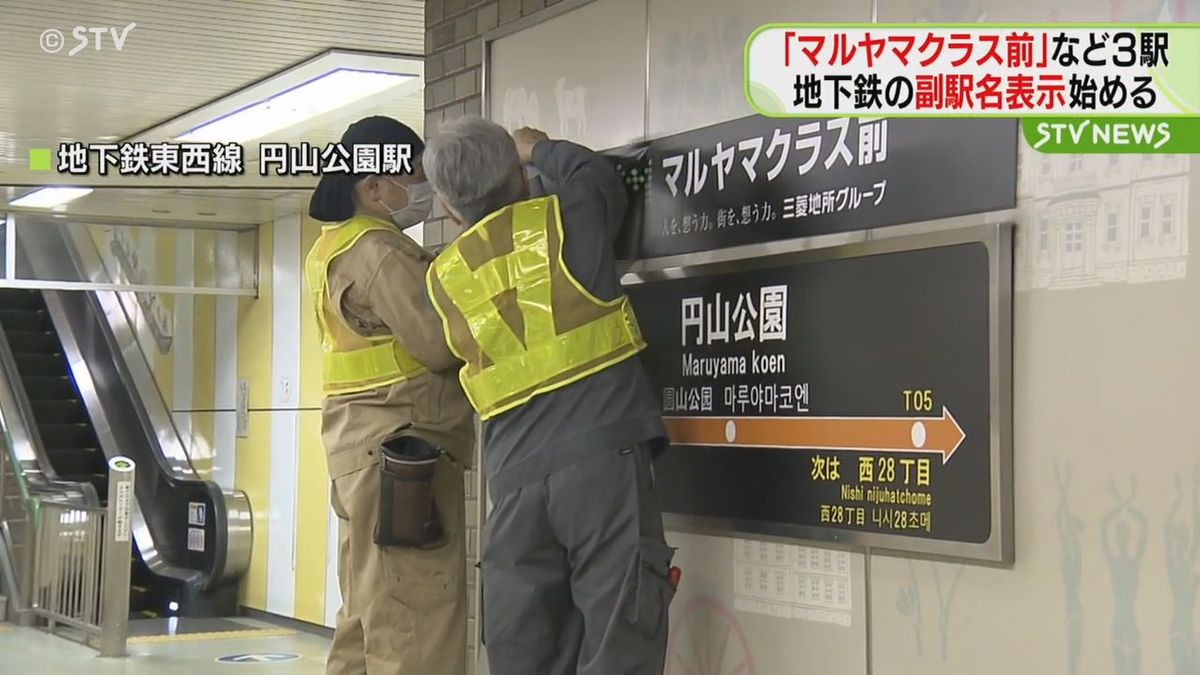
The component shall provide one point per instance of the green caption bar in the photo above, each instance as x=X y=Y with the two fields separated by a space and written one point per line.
x=1110 y=135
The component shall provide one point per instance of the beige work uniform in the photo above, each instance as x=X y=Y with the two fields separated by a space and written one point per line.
x=404 y=611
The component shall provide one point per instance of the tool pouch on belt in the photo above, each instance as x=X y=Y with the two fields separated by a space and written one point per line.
x=408 y=514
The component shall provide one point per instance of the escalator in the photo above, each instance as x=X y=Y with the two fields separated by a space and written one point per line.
x=60 y=421
x=85 y=393
x=59 y=416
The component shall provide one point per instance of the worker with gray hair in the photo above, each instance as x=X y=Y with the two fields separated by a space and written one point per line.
x=577 y=574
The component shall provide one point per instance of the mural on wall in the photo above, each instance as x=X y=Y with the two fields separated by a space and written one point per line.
x=1183 y=574
x=1091 y=220
x=707 y=639
x=909 y=604
x=702 y=69
x=1101 y=219
x=572 y=108
x=520 y=109
x=946 y=580
x=946 y=600
x=1070 y=528
x=1124 y=530
x=158 y=319
x=1084 y=222
x=1136 y=642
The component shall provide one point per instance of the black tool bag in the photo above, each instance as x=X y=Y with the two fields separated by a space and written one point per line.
x=408 y=514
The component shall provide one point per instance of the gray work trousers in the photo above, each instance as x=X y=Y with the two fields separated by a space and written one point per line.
x=575 y=572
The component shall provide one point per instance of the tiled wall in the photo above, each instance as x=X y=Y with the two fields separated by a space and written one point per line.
x=453 y=67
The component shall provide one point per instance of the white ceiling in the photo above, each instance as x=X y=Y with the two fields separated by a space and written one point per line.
x=182 y=55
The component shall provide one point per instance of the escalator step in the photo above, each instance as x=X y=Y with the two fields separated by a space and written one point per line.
x=41 y=364
x=21 y=298
x=64 y=411
x=42 y=387
x=77 y=461
x=25 y=320
x=84 y=477
x=74 y=437
x=33 y=342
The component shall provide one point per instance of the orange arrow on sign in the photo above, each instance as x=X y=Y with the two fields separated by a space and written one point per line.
x=941 y=435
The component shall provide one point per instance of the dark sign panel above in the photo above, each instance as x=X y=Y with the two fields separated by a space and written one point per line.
x=756 y=179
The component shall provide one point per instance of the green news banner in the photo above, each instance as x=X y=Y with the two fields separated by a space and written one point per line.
x=1110 y=135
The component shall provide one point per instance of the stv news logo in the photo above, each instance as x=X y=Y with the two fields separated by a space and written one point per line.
x=52 y=40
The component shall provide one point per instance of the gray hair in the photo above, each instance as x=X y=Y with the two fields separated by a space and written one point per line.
x=473 y=165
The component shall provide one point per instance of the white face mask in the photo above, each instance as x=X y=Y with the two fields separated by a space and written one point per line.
x=420 y=203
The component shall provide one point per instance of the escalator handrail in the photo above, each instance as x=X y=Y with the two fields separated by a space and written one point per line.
x=154 y=413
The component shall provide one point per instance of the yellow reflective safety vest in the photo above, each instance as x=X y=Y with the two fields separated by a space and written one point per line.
x=514 y=314
x=352 y=363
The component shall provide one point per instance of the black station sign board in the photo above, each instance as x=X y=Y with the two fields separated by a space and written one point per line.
x=757 y=179
x=832 y=395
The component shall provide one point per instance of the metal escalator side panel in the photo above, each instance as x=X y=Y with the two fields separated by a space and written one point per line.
x=231 y=507
x=160 y=531
x=237 y=535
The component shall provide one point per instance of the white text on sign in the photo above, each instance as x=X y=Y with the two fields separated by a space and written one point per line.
x=739 y=318
x=880 y=69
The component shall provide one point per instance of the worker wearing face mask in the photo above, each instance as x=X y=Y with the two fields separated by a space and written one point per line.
x=397 y=428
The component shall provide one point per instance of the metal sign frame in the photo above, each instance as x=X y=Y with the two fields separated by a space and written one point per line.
x=998 y=240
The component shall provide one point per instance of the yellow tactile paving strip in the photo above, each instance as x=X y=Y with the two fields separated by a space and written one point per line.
x=217 y=635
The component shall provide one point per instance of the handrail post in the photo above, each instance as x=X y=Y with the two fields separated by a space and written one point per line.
x=114 y=599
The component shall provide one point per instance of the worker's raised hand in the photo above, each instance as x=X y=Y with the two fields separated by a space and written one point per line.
x=526 y=138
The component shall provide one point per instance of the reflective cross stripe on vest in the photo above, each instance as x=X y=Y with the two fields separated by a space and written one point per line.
x=515 y=315
x=352 y=363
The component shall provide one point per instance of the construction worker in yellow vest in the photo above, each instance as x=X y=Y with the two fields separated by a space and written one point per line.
x=390 y=388
x=576 y=572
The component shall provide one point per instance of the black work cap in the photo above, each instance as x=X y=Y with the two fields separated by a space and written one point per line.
x=333 y=200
